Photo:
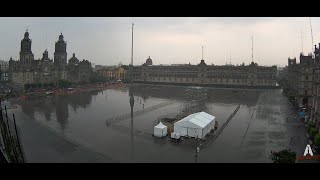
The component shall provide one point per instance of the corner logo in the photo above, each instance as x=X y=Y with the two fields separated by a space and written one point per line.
x=308 y=154
x=308 y=150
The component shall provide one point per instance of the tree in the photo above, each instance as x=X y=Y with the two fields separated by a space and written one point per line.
x=39 y=85
x=64 y=84
x=27 y=86
x=125 y=67
x=313 y=131
x=284 y=156
x=33 y=85
x=317 y=140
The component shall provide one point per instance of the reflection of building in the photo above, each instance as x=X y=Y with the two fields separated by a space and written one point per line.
x=58 y=105
x=27 y=70
x=210 y=75
x=201 y=95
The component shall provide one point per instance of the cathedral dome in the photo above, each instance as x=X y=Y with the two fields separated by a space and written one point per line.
x=73 y=59
x=149 y=61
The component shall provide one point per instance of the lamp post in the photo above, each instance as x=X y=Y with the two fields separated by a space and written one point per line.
x=197 y=150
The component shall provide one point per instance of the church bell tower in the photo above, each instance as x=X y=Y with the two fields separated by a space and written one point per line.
x=60 y=54
x=26 y=55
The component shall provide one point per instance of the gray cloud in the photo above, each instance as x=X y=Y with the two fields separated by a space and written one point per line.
x=165 y=39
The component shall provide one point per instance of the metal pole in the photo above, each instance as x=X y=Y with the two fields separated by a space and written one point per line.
x=15 y=127
x=5 y=107
x=132 y=46
x=196 y=157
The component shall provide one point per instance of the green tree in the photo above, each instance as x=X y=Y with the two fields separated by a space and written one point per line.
x=313 y=131
x=125 y=67
x=64 y=84
x=317 y=139
x=39 y=85
x=27 y=86
x=284 y=156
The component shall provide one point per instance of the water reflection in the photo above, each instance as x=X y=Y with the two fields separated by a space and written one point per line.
x=131 y=115
x=83 y=117
x=198 y=95
x=58 y=105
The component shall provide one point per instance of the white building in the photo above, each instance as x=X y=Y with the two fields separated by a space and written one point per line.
x=195 y=125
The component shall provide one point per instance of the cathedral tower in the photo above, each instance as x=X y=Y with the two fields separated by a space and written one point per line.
x=60 y=54
x=26 y=55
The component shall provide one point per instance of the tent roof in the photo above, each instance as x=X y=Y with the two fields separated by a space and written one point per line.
x=201 y=119
x=161 y=126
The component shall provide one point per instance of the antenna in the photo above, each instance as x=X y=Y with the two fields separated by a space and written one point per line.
x=293 y=53
x=301 y=42
x=252 y=49
x=132 y=46
x=202 y=52
x=311 y=35
x=230 y=58
x=46 y=40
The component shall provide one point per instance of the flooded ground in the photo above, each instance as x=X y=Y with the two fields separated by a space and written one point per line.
x=100 y=121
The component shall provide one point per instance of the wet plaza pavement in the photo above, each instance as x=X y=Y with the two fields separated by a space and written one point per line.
x=96 y=126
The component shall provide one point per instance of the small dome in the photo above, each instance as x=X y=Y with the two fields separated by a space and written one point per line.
x=149 y=61
x=73 y=59
x=61 y=37
x=26 y=35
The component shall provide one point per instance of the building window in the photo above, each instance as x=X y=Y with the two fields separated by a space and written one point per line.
x=307 y=78
x=305 y=92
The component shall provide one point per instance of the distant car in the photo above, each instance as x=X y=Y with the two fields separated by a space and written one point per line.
x=49 y=92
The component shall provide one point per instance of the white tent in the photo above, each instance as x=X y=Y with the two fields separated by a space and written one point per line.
x=160 y=130
x=195 y=125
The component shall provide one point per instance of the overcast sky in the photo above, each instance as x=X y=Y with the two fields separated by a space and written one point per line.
x=168 y=40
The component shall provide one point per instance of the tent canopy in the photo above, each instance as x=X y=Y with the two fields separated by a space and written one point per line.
x=195 y=125
x=197 y=120
x=160 y=126
x=160 y=130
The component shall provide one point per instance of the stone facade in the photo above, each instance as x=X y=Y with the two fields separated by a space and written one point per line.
x=315 y=109
x=4 y=65
x=300 y=80
x=251 y=76
x=27 y=70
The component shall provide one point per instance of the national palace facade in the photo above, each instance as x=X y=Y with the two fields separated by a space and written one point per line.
x=247 y=76
x=27 y=70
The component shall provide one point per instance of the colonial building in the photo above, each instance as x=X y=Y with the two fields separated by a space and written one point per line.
x=27 y=70
x=4 y=65
x=300 y=80
x=251 y=76
x=121 y=73
x=315 y=109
